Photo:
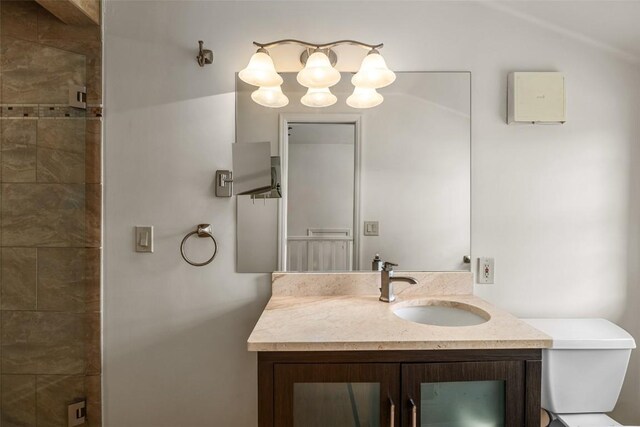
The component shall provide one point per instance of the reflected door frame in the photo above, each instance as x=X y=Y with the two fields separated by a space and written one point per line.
x=285 y=120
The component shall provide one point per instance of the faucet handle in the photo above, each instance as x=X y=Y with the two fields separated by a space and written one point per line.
x=388 y=266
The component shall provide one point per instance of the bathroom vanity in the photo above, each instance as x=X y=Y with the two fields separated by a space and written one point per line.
x=331 y=353
x=396 y=179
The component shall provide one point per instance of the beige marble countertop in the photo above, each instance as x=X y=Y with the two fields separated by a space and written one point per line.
x=341 y=312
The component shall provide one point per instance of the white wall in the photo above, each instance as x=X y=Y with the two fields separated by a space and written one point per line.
x=415 y=182
x=557 y=206
x=320 y=182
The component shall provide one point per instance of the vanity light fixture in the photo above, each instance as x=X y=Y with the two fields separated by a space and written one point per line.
x=321 y=97
x=318 y=75
x=318 y=72
x=260 y=71
x=373 y=72
x=363 y=97
x=270 y=96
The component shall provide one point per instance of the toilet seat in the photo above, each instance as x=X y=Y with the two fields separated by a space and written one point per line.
x=587 y=420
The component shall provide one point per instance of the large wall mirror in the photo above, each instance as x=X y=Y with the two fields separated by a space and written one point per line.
x=394 y=179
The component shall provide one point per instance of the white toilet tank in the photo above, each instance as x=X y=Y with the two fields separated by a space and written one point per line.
x=584 y=369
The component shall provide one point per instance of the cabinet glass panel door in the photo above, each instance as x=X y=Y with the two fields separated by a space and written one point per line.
x=463 y=403
x=337 y=395
x=336 y=404
x=463 y=394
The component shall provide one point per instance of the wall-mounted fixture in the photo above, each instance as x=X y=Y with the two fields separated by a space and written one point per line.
x=317 y=75
x=78 y=97
x=202 y=230
x=257 y=173
x=536 y=98
x=205 y=56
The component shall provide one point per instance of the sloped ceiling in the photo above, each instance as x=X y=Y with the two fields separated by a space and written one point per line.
x=612 y=25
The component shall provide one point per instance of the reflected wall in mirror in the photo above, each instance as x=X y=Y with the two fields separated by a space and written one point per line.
x=404 y=164
x=321 y=199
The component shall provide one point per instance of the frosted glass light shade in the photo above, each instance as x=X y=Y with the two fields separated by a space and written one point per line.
x=318 y=72
x=373 y=73
x=260 y=71
x=270 y=96
x=318 y=98
x=364 y=98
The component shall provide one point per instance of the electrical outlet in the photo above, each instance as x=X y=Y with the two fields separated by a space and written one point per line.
x=486 y=268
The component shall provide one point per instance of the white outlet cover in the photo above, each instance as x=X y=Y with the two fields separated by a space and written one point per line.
x=486 y=267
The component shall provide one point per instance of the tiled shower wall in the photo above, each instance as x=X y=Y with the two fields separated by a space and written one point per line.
x=50 y=218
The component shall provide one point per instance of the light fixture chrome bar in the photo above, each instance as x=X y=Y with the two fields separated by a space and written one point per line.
x=318 y=46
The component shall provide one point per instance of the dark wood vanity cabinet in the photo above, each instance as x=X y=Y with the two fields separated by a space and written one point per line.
x=399 y=388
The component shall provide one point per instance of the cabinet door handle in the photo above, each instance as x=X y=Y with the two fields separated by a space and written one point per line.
x=414 y=413
x=392 y=410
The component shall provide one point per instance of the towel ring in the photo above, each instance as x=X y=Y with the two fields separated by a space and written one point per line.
x=203 y=230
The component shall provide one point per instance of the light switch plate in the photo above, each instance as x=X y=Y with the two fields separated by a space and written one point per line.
x=371 y=228
x=486 y=268
x=144 y=238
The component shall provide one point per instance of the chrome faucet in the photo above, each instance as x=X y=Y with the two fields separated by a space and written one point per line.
x=387 y=278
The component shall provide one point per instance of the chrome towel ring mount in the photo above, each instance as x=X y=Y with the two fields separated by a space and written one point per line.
x=203 y=230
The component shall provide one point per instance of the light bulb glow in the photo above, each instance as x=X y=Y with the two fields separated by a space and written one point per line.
x=270 y=96
x=373 y=72
x=318 y=72
x=364 y=98
x=260 y=71
x=318 y=97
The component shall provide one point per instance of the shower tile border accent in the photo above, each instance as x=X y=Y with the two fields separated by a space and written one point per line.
x=48 y=111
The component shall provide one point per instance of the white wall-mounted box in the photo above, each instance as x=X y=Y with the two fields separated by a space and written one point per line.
x=536 y=97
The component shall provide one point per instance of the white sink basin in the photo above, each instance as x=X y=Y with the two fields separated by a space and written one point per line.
x=443 y=313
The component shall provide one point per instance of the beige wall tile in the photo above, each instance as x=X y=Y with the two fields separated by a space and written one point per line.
x=19 y=19
x=60 y=166
x=91 y=8
x=73 y=12
x=94 y=397
x=61 y=148
x=18 y=401
x=94 y=78
x=51 y=71
x=53 y=394
x=93 y=157
x=19 y=139
x=61 y=279
x=87 y=47
x=93 y=264
x=93 y=215
x=62 y=134
x=92 y=344
x=43 y=343
x=51 y=28
x=19 y=268
x=43 y=215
